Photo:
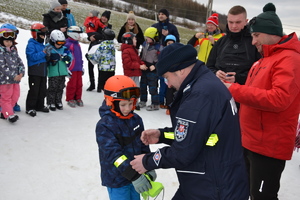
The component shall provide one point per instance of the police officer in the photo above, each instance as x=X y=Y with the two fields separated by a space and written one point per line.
x=205 y=142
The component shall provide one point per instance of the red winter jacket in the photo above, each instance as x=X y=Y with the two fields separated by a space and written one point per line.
x=270 y=100
x=131 y=60
x=95 y=21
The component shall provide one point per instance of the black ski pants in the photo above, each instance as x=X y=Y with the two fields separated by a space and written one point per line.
x=264 y=174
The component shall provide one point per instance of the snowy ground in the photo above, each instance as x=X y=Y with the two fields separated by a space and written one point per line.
x=54 y=156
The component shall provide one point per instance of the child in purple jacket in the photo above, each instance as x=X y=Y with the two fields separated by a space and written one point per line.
x=74 y=86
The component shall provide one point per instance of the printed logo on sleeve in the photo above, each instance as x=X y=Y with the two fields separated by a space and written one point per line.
x=156 y=157
x=181 y=130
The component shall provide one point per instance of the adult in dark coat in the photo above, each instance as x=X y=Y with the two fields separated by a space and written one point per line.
x=205 y=140
x=164 y=27
x=132 y=26
x=55 y=19
x=233 y=55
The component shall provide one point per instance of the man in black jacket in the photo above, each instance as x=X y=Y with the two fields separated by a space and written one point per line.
x=233 y=55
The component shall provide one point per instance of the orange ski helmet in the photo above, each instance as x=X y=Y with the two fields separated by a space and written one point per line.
x=118 y=88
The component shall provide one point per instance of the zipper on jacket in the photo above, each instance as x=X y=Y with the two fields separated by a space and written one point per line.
x=259 y=68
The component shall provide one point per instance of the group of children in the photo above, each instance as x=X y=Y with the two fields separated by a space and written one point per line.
x=141 y=68
x=62 y=57
x=59 y=58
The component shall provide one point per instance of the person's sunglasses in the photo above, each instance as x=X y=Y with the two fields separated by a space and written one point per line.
x=7 y=35
x=127 y=93
x=60 y=42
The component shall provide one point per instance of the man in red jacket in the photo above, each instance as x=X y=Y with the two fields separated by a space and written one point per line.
x=270 y=104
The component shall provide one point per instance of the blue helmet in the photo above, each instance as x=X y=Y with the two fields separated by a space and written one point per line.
x=11 y=27
x=170 y=37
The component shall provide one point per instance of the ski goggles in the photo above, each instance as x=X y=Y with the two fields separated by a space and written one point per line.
x=42 y=31
x=73 y=31
x=7 y=35
x=60 y=42
x=127 y=93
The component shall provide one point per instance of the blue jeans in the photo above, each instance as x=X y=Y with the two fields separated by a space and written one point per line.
x=162 y=90
x=126 y=192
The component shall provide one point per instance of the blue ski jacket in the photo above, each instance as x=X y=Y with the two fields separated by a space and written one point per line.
x=117 y=137
x=206 y=151
x=36 y=58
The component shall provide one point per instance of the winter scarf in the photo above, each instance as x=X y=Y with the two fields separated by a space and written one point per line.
x=134 y=29
x=56 y=16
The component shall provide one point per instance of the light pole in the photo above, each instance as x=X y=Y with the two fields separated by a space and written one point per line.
x=209 y=8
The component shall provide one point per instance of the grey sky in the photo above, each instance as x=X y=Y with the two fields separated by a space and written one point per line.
x=287 y=10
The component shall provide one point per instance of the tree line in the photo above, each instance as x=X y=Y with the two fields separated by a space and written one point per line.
x=186 y=9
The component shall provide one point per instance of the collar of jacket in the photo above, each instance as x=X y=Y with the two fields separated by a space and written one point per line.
x=288 y=42
x=197 y=71
x=244 y=32
x=164 y=23
x=67 y=11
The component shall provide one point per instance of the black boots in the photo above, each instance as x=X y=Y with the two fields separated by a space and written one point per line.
x=92 y=86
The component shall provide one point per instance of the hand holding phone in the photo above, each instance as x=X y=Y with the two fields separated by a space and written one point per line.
x=230 y=77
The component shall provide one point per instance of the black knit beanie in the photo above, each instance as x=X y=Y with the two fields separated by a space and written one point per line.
x=63 y=2
x=164 y=11
x=106 y=14
x=175 y=57
x=267 y=22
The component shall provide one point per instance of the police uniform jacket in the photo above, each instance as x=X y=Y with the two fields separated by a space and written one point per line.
x=206 y=151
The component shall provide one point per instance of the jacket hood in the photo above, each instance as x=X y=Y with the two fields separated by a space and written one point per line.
x=126 y=46
x=71 y=40
x=287 y=42
x=105 y=110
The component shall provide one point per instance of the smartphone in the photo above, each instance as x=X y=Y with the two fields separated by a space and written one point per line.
x=229 y=75
x=165 y=27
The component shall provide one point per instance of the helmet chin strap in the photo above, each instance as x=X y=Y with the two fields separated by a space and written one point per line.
x=119 y=114
x=122 y=116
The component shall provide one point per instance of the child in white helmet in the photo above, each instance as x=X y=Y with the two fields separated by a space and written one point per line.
x=58 y=56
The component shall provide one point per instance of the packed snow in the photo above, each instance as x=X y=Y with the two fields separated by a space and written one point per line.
x=54 y=155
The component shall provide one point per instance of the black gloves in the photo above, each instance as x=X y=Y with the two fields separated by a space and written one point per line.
x=54 y=58
x=66 y=58
x=91 y=24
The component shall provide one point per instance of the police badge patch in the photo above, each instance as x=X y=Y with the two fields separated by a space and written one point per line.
x=157 y=157
x=181 y=130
